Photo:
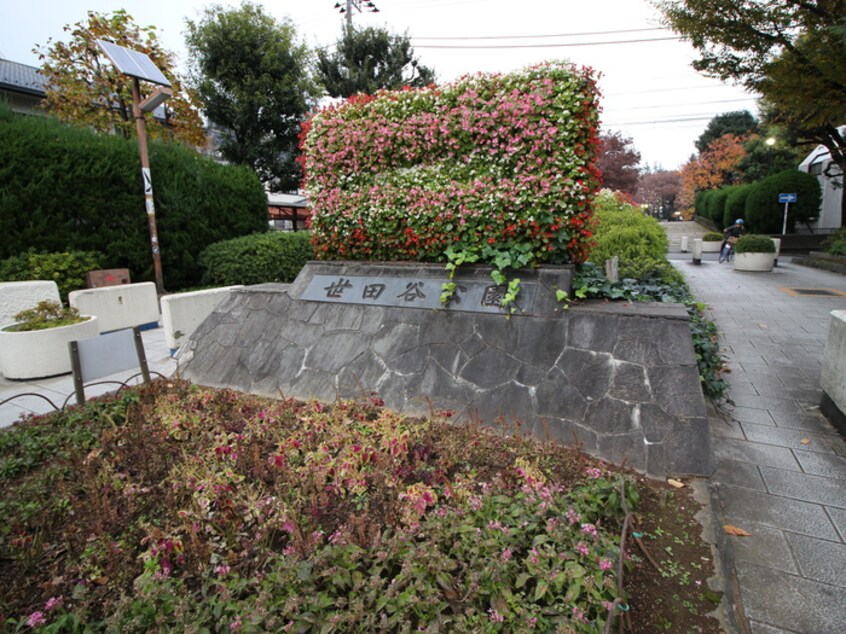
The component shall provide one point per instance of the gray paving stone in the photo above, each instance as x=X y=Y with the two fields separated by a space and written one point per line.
x=793 y=438
x=768 y=403
x=745 y=505
x=838 y=518
x=751 y=415
x=726 y=428
x=827 y=465
x=766 y=546
x=820 y=560
x=740 y=474
x=760 y=628
x=801 y=486
x=755 y=453
x=809 y=422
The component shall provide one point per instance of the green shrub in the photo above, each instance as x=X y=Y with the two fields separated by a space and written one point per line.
x=701 y=204
x=712 y=236
x=68 y=269
x=45 y=315
x=717 y=204
x=765 y=214
x=69 y=189
x=753 y=243
x=838 y=247
x=736 y=204
x=256 y=259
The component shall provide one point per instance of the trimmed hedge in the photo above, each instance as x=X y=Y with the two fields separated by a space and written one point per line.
x=712 y=236
x=735 y=208
x=752 y=243
x=67 y=269
x=490 y=164
x=257 y=259
x=766 y=215
x=717 y=205
x=64 y=188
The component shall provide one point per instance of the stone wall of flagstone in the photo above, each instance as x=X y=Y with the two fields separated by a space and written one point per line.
x=621 y=379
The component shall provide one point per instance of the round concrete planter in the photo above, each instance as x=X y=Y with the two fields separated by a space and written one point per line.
x=39 y=353
x=754 y=261
x=711 y=247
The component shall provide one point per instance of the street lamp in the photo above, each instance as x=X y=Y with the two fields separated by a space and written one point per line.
x=139 y=66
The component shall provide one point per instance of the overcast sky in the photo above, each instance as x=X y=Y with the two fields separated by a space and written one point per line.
x=650 y=92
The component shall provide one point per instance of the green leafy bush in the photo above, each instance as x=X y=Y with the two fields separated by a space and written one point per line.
x=765 y=214
x=68 y=269
x=753 y=243
x=638 y=240
x=45 y=315
x=69 y=189
x=256 y=259
x=735 y=208
x=712 y=236
x=838 y=247
x=701 y=203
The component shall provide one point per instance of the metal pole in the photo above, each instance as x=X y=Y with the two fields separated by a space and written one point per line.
x=349 y=13
x=784 y=226
x=148 y=184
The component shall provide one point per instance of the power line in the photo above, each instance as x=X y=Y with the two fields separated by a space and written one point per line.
x=573 y=44
x=527 y=37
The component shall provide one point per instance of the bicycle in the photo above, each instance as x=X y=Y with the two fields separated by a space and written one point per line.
x=727 y=252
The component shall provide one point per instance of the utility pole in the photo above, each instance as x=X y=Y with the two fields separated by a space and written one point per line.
x=355 y=4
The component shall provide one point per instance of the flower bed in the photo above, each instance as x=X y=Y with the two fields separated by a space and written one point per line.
x=490 y=164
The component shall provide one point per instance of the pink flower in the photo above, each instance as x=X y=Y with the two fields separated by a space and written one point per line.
x=506 y=554
x=53 y=603
x=35 y=619
x=235 y=626
x=496 y=617
x=582 y=549
x=589 y=529
x=573 y=517
x=593 y=472
x=222 y=570
x=605 y=564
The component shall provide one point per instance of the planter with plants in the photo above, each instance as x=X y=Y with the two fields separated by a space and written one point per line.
x=711 y=242
x=36 y=345
x=754 y=253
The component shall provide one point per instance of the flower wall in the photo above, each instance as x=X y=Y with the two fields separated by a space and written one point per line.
x=490 y=163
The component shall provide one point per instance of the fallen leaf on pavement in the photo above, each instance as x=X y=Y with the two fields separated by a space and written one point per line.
x=734 y=530
x=675 y=483
x=805 y=441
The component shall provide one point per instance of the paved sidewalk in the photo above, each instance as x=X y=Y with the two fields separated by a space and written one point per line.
x=781 y=472
x=57 y=389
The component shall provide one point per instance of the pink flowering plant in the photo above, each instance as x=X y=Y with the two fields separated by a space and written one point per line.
x=498 y=167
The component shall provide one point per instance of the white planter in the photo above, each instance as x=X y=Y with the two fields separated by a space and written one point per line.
x=754 y=261
x=39 y=353
x=711 y=247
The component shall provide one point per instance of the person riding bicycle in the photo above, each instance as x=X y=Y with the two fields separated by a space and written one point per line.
x=732 y=233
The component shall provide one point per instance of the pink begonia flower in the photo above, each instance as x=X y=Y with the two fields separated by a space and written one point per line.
x=35 y=619
x=583 y=549
x=589 y=529
x=605 y=564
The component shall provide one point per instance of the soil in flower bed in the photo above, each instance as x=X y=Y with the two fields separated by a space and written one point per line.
x=175 y=507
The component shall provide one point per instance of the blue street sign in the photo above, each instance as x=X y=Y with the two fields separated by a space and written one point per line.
x=787 y=198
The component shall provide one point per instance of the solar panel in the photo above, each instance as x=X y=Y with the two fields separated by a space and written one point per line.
x=133 y=63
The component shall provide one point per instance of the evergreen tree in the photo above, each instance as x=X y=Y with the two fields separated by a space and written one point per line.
x=366 y=60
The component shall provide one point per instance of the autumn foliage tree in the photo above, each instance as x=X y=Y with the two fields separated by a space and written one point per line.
x=85 y=88
x=715 y=167
x=659 y=190
x=618 y=160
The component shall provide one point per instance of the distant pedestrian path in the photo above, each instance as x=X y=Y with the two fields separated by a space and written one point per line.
x=677 y=230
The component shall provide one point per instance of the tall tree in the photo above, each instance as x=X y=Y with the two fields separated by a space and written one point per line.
x=659 y=190
x=618 y=160
x=713 y=168
x=252 y=78
x=766 y=156
x=739 y=122
x=791 y=51
x=366 y=60
x=85 y=88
